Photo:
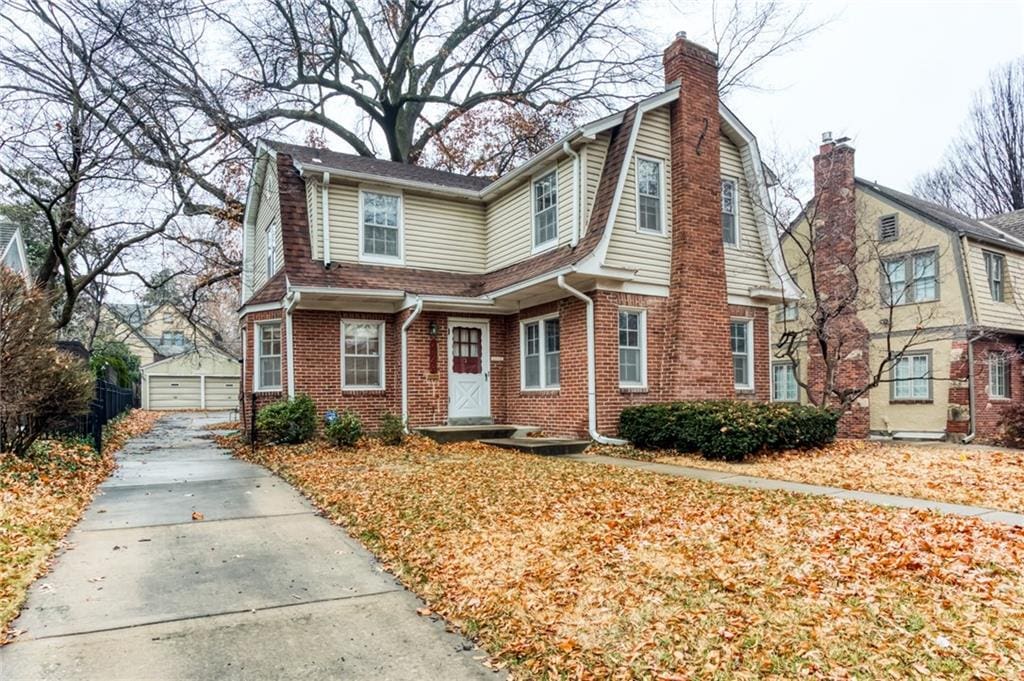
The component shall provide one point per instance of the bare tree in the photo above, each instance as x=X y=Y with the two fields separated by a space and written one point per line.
x=983 y=171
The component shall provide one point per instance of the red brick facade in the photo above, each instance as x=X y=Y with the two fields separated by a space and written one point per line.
x=988 y=410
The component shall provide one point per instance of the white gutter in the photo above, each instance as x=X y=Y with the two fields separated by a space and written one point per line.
x=405 y=361
x=591 y=367
x=567 y=148
x=970 y=392
x=325 y=190
x=289 y=306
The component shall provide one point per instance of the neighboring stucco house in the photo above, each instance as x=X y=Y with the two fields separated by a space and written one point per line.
x=12 y=249
x=942 y=294
x=627 y=263
x=183 y=364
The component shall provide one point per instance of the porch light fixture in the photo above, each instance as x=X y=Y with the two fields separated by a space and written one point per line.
x=433 y=329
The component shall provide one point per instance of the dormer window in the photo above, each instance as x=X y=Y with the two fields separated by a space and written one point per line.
x=380 y=226
x=268 y=237
x=888 y=228
x=545 y=211
x=995 y=263
x=650 y=201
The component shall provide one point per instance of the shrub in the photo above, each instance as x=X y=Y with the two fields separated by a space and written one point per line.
x=392 y=429
x=345 y=431
x=1012 y=426
x=727 y=429
x=119 y=358
x=287 y=421
x=41 y=388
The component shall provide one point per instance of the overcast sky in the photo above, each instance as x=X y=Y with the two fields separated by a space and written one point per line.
x=897 y=77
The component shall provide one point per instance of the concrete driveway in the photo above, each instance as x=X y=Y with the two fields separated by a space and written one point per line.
x=261 y=588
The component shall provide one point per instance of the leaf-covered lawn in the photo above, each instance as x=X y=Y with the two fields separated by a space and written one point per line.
x=960 y=475
x=567 y=570
x=42 y=497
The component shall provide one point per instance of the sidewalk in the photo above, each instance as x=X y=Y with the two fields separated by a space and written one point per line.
x=980 y=512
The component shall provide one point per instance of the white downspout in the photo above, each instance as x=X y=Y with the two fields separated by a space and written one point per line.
x=591 y=367
x=326 y=227
x=292 y=301
x=970 y=392
x=405 y=360
x=567 y=148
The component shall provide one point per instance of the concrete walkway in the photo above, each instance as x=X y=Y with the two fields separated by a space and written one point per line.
x=726 y=478
x=263 y=588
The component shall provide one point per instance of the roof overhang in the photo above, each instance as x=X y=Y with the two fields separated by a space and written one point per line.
x=318 y=170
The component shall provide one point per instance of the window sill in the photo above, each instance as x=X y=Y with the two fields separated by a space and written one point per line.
x=891 y=401
x=381 y=260
x=746 y=389
x=544 y=247
x=633 y=389
x=539 y=391
x=363 y=391
x=992 y=398
x=269 y=390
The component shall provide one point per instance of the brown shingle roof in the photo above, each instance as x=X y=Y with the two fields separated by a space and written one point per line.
x=302 y=270
x=376 y=166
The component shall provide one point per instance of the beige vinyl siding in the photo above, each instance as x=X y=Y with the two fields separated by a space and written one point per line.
x=1008 y=314
x=594 y=154
x=649 y=254
x=429 y=222
x=745 y=265
x=509 y=218
x=443 y=234
x=269 y=211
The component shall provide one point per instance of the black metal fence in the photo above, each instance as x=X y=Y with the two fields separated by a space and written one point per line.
x=110 y=401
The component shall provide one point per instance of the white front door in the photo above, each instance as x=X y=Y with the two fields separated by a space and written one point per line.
x=469 y=369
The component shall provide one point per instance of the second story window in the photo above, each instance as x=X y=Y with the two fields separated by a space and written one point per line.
x=995 y=264
x=910 y=278
x=381 y=226
x=172 y=338
x=649 y=196
x=730 y=224
x=271 y=242
x=545 y=211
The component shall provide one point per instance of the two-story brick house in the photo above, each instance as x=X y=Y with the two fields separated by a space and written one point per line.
x=629 y=262
x=940 y=292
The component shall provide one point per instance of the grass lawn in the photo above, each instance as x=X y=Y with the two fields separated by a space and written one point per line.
x=974 y=476
x=567 y=570
x=42 y=497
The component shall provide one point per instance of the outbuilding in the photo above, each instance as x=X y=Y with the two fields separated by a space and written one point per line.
x=196 y=380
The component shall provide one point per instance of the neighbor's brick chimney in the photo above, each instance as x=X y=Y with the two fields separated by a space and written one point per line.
x=834 y=216
x=698 y=359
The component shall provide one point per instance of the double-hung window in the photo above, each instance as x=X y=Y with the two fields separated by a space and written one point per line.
x=545 y=211
x=995 y=265
x=632 y=349
x=268 y=356
x=362 y=355
x=787 y=312
x=271 y=243
x=541 y=344
x=910 y=278
x=730 y=223
x=741 y=339
x=912 y=378
x=381 y=226
x=999 y=375
x=650 y=200
x=784 y=385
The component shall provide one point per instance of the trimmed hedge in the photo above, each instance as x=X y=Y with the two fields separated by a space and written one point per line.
x=727 y=429
x=345 y=431
x=287 y=422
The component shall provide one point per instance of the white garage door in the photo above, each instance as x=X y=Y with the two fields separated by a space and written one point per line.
x=174 y=392
x=222 y=392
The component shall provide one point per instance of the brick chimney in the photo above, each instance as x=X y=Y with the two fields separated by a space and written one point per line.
x=835 y=262
x=698 y=359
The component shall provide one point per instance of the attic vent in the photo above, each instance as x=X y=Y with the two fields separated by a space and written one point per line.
x=888 y=228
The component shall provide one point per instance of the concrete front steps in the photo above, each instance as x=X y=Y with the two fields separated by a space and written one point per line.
x=506 y=437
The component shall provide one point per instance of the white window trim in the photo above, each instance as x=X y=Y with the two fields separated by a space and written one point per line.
x=382 y=336
x=543 y=387
x=553 y=242
x=383 y=259
x=796 y=383
x=257 y=353
x=269 y=250
x=663 y=218
x=749 y=323
x=643 y=348
x=737 y=230
x=994 y=360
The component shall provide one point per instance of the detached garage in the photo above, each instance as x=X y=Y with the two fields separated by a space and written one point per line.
x=193 y=380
